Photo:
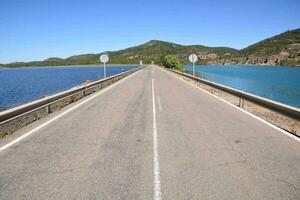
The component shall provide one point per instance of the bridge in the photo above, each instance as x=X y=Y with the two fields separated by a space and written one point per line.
x=150 y=135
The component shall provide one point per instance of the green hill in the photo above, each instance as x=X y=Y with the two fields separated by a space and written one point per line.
x=287 y=41
x=152 y=50
x=283 y=49
x=155 y=49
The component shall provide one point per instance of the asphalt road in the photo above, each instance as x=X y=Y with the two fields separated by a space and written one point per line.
x=150 y=136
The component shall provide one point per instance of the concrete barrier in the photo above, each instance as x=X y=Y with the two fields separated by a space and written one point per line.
x=18 y=117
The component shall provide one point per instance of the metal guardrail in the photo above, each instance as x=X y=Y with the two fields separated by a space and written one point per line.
x=18 y=112
x=283 y=109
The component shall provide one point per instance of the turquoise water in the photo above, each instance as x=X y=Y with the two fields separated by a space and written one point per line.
x=22 y=85
x=281 y=84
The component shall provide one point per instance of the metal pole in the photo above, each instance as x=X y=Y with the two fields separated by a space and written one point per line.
x=193 y=69
x=104 y=71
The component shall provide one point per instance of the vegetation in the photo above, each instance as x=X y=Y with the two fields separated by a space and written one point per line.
x=273 y=45
x=172 y=62
x=283 y=49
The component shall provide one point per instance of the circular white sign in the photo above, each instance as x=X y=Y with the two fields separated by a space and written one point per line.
x=193 y=58
x=104 y=58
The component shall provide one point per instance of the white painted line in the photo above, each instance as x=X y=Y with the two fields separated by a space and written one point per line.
x=240 y=109
x=159 y=104
x=60 y=115
x=156 y=170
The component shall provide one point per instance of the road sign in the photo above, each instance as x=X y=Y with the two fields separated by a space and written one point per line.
x=193 y=58
x=104 y=59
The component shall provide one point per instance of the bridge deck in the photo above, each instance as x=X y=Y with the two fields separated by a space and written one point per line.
x=104 y=148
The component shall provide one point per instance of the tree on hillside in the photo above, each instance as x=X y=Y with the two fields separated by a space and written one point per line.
x=172 y=62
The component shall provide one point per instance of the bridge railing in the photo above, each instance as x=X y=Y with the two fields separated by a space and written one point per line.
x=282 y=109
x=15 y=118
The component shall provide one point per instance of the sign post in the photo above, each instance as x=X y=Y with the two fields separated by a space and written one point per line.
x=193 y=58
x=104 y=59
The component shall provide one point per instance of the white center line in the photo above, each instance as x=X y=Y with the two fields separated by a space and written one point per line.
x=159 y=104
x=156 y=170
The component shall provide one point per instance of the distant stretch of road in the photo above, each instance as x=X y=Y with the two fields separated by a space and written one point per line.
x=150 y=136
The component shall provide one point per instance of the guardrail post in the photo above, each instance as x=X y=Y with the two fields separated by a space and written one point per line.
x=48 y=109
x=241 y=102
x=84 y=93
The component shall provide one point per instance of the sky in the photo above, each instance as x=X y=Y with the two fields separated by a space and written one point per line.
x=39 y=29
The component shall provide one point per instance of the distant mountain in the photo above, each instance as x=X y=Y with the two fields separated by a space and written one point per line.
x=283 y=49
x=155 y=49
x=288 y=41
x=53 y=59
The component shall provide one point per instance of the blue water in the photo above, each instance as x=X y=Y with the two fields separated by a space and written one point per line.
x=281 y=84
x=22 y=85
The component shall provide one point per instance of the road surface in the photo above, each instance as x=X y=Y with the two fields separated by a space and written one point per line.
x=150 y=136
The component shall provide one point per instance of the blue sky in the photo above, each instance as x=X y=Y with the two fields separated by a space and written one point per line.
x=38 y=29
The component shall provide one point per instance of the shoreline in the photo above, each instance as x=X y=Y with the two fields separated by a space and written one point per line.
x=253 y=65
x=136 y=64
x=90 y=65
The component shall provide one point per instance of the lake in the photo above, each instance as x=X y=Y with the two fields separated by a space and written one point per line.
x=281 y=84
x=22 y=85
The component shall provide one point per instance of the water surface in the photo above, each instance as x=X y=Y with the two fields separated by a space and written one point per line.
x=280 y=84
x=22 y=85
